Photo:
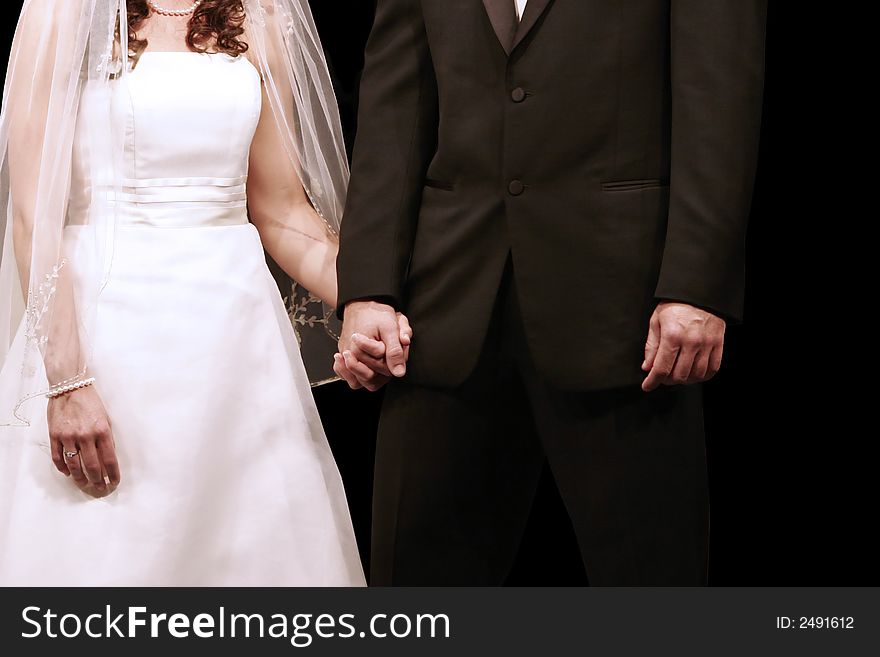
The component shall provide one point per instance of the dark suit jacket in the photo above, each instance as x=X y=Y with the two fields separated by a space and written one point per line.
x=609 y=145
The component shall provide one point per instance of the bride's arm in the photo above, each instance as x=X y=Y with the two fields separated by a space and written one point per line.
x=41 y=87
x=290 y=229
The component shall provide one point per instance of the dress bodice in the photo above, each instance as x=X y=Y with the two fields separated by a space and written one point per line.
x=187 y=121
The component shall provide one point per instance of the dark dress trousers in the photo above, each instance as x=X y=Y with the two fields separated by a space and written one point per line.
x=588 y=160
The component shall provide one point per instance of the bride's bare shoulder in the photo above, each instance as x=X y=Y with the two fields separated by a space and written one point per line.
x=262 y=32
x=41 y=16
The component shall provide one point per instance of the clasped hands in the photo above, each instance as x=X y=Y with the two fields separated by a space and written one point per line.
x=685 y=345
x=374 y=345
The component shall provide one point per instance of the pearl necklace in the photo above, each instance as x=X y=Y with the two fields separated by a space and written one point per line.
x=173 y=12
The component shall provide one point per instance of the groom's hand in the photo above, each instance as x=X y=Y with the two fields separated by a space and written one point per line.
x=684 y=346
x=374 y=345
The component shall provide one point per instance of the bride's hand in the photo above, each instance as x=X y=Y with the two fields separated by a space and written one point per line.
x=78 y=424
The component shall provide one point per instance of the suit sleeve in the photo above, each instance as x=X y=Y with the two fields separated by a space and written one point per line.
x=717 y=60
x=396 y=139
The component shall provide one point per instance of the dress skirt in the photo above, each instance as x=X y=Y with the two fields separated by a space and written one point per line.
x=227 y=476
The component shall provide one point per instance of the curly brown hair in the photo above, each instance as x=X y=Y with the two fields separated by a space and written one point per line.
x=215 y=26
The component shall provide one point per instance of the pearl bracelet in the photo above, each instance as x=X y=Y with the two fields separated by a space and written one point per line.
x=64 y=388
x=73 y=379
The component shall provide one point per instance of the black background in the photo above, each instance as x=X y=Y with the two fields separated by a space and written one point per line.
x=789 y=500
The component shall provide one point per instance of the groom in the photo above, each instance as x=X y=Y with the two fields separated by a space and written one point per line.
x=555 y=192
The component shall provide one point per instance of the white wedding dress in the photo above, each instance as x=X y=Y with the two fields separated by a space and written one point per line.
x=227 y=476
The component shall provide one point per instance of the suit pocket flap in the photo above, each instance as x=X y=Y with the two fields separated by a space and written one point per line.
x=439 y=184
x=630 y=185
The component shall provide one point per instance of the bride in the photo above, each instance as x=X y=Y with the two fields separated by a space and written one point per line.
x=158 y=424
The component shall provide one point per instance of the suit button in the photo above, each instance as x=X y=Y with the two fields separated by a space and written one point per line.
x=518 y=95
x=516 y=187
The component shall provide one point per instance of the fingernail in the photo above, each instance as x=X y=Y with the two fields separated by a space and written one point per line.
x=400 y=370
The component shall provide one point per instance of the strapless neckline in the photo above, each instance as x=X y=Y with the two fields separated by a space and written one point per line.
x=223 y=55
x=185 y=52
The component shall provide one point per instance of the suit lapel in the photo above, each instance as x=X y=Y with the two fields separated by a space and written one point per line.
x=534 y=10
x=502 y=14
